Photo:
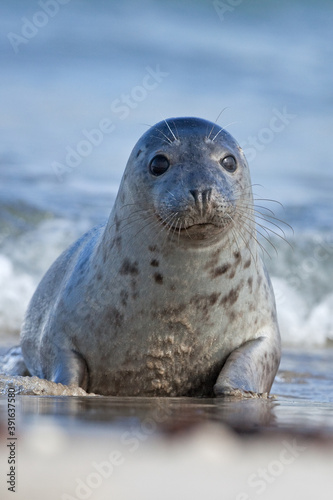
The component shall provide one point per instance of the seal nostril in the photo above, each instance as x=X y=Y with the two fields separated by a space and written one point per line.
x=201 y=196
x=194 y=193
x=206 y=196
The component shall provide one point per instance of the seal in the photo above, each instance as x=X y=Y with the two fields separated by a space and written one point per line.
x=170 y=297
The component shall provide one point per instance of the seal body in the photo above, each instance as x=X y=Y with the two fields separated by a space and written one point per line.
x=169 y=297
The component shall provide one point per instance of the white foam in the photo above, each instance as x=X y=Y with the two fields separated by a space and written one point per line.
x=298 y=324
x=15 y=293
x=34 y=251
x=23 y=263
x=321 y=318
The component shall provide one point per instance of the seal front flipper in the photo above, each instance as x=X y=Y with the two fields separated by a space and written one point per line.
x=250 y=369
x=70 y=369
x=12 y=363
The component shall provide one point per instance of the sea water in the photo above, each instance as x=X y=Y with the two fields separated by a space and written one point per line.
x=82 y=82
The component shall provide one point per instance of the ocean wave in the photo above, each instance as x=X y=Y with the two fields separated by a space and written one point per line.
x=26 y=252
x=15 y=292
x=300 y=324
x=302 y=279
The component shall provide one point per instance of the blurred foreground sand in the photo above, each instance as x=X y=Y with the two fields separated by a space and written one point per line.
x=209 y=460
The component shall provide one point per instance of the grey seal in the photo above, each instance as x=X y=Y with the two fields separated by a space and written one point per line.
x=170 y=297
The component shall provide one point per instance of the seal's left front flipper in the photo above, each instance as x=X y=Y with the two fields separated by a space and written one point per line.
x=12 y=363
x=250 y=369
x=69 y=368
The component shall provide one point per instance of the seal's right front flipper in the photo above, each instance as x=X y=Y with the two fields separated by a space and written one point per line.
x=12 y=363
x=70 y=369
x=250 y=369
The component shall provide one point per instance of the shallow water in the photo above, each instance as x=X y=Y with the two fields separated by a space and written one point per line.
x=172 y=415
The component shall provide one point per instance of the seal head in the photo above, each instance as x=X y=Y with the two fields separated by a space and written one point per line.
x=192 y=173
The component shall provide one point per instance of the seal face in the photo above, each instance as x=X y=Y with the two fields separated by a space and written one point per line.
x=169 y=297
x=190 y=181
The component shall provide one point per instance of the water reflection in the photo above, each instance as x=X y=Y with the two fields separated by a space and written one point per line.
x=153 y=414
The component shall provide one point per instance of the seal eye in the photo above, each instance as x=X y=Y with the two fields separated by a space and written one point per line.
x=229 y=163
x=159 y=164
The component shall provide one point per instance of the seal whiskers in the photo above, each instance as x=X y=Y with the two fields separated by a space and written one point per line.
x=173 y=135
x=270 y=220
x=215 y=123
